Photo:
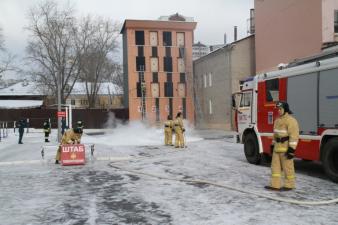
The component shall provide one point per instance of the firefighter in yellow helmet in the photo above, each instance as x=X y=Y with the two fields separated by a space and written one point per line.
x=179 y=129
x=71 y=136
x=168 y=131
x=283 y=147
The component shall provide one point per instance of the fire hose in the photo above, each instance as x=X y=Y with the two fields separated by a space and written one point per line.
x=197 y=181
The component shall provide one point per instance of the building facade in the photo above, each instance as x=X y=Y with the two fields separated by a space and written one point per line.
x=292 y=29
x=157 y=65
x=217 y=76
x=199 y=50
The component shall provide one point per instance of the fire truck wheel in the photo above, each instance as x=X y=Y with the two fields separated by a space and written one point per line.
x=330 y=159
x=251 y=149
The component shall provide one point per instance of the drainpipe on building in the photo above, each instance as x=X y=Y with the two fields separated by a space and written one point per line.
x=228 y=50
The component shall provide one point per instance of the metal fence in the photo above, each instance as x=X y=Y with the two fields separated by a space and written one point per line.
x=92 y=118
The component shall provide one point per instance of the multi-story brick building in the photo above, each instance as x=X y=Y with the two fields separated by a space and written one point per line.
x=157 y=64
x=293 y=29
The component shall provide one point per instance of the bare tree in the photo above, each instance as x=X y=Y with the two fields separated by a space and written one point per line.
x=97 y=47
x=6 y=59
x=52 y=49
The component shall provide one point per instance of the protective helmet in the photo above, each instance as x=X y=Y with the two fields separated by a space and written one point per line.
x=285 y=106
x=79 y=127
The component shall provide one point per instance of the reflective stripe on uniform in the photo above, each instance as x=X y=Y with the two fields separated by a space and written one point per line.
x=290 y=177
x=293 y=144
x=281 y=149
x=280 y=131
x=276 y=175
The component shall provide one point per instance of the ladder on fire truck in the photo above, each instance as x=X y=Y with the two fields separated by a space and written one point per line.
x=143 y=93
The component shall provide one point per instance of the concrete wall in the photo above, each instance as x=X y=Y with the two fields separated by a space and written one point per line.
x=228 y=66
x=286 y=30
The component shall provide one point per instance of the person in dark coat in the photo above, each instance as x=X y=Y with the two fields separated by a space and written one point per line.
x=21 y=125
x=63 y=125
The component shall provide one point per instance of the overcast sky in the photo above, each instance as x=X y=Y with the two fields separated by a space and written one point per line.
x=213 y=17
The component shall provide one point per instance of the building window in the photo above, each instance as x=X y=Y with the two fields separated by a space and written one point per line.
x=336 y=21
x=157 y=105
x=72 y=101
x=154 y=52
x=140 y=51
x=205 y=80
x=139 y=37
x=210 y=79
x=182 y=77
x=272 y=90
x=155 y=77
x=167 y=52
x=166 y=38
x=168 y=89
x=181 y=52
x=140 y=63
x=167 y=64
x=210 y=107
x=169 y=77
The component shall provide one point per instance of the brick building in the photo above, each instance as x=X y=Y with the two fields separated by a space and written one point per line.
x=157 y=65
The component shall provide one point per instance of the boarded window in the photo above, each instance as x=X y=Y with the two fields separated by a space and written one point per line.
x=155 y=90
x=272 y=90
x=180 y=39
x=139 y=37
x=184 y=105
x=168 y=89
x=157 y=105
x=154 y=64
x=181 y=90
x=166 y=38
x=153 y=38
x=181 y=66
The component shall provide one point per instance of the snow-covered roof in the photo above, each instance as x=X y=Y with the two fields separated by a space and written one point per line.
x=105 y=89
x=18 y=104
x=22 y=88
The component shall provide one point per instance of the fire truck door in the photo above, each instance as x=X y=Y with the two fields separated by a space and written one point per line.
x=244 y=112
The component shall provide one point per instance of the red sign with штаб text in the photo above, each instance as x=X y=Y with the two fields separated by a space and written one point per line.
x=72 y=154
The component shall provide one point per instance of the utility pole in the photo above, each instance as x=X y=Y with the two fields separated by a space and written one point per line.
x=59 y=104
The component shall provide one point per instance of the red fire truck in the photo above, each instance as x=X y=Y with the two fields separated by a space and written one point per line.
x=311 y=90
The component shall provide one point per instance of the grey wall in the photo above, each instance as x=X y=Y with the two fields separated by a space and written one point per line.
x=228 y=66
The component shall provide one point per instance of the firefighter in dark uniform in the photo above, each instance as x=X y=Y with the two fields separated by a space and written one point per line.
x=46 y=130
x=179 y=129
x=168 y=131
x=71 y=136
x=21 y=125
x=284 y=143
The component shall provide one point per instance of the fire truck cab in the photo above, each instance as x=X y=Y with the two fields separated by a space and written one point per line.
x=312 y=93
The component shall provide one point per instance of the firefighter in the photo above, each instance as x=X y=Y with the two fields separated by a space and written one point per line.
x=179 y=129
x=71 y=136
x=284 y=143
x=46 y=129
x=168 y=131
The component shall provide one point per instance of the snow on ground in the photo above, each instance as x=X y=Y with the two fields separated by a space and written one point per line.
x=35 y=191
